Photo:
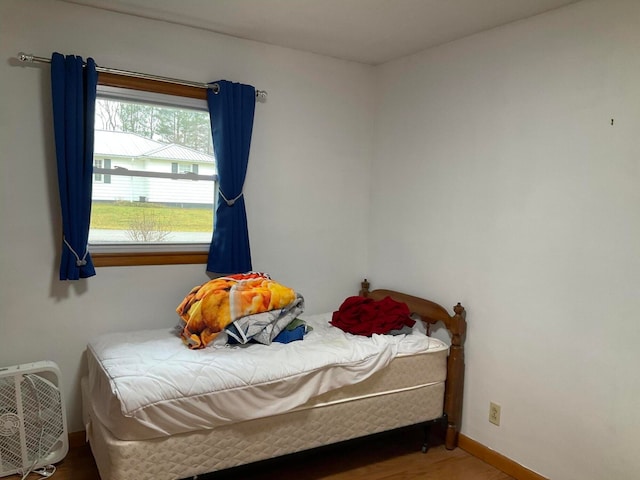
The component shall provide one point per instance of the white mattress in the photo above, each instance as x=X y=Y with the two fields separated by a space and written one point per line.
x=148 y=384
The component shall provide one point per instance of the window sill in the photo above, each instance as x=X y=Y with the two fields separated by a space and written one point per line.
x=148 y=258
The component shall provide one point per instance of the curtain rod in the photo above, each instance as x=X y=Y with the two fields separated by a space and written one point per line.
x=261 y=95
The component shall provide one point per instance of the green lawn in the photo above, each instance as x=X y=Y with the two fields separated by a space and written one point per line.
x=121 y=215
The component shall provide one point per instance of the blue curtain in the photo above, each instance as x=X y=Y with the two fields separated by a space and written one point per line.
x=73 y=86
x=231 y=112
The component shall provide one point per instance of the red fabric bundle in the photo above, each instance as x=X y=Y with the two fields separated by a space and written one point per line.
x=365 y=316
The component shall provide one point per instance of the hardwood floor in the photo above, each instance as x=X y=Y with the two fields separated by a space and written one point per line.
x=390 y=456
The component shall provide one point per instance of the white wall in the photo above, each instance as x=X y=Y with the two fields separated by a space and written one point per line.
x=306 y=190
x=499 y=181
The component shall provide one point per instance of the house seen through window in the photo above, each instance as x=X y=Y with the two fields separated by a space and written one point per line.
x=154 y=173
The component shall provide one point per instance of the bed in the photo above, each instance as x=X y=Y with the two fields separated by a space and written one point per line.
x=169 y=437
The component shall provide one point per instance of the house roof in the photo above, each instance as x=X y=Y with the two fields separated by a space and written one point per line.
x=125 y=144
x=179 y=152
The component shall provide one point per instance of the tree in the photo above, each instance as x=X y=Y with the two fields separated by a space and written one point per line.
x=108 y=113
x=137 y=118
x=185 y=127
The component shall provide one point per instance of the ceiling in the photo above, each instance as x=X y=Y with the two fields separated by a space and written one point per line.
x=365 y=31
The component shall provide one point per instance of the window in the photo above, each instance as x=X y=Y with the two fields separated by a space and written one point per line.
x=98 y=165
x=154 y=175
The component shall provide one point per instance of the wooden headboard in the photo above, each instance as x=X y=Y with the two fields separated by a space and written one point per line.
x=432 y=313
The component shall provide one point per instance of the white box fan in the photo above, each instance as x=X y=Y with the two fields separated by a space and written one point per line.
x=33 y=424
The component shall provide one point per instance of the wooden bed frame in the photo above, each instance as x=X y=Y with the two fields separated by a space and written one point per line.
x=222 y=448
x=432 y=313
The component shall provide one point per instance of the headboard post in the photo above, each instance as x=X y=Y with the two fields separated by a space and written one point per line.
x=455 y=376
x=364 y=288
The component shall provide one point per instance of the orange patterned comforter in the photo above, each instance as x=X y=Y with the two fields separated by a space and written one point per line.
x=212 y=306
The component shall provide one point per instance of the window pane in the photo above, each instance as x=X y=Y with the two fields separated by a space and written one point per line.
x=97 y=163
x=151 y=139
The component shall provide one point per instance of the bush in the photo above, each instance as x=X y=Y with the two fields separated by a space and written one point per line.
x=148 y=227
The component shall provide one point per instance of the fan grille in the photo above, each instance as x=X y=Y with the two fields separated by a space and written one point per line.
x=10 y=453
x=42 y=420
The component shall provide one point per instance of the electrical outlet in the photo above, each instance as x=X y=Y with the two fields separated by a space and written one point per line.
x=494 y=413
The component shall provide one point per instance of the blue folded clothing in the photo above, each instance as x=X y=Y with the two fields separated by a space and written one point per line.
x=287 y=336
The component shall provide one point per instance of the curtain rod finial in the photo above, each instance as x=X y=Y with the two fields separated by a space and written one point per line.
x=25 y=57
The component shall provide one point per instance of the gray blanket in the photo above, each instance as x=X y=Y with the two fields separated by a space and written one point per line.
x=263 y=327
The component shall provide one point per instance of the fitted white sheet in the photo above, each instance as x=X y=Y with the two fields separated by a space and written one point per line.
x=160 y=387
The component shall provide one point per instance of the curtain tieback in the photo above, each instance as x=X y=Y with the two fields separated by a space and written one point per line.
x=229 y=202
x=80 y=262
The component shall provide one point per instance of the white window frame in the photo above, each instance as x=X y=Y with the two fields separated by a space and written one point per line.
x=168 y=248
